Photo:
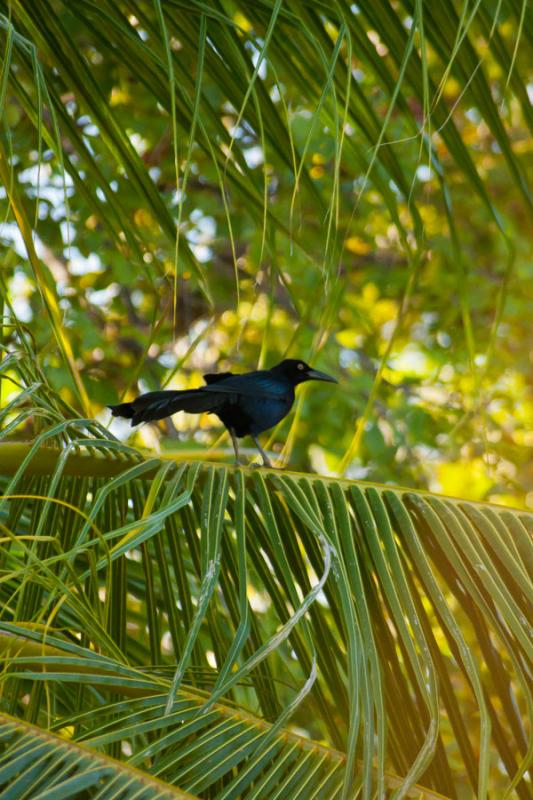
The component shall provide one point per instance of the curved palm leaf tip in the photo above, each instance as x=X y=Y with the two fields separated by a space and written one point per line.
x=247 y=404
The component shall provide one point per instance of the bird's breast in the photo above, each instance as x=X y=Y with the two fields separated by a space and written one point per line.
x=253 y=415
x=267 y=412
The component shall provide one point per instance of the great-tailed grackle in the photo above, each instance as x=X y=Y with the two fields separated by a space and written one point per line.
x=247 y=404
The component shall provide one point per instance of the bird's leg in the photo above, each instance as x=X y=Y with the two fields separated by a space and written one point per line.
x=235 y=446
x=266 y=460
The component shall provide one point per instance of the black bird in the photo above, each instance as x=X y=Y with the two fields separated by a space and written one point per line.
x=247 y=404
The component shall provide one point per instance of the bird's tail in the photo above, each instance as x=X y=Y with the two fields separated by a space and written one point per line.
x=157 y=405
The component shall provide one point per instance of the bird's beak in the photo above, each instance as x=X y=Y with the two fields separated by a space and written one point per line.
x=316 y=375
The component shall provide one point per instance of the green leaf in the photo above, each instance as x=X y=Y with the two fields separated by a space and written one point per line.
x=32 y=758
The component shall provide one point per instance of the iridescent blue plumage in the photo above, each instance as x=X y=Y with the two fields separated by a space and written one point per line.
x=246 y=404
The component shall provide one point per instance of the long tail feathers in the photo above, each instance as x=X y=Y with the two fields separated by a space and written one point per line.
x=158 y=405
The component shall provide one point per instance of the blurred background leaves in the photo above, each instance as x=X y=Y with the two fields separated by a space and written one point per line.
x=348 y=183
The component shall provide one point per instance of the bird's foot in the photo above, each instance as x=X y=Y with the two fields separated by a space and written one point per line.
x=266 y=463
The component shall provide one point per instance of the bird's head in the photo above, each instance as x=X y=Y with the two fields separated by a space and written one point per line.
x=297 y=371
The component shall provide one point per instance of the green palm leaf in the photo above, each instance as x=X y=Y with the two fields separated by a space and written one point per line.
x=382 y=622
x=197 y=744
x=53 y=768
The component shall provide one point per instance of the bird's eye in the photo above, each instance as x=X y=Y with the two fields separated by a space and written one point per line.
x=301 y=366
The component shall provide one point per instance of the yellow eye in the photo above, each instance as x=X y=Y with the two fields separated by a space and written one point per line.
x=301 y=366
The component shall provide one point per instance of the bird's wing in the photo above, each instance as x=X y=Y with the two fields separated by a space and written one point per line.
x=215 y=377
x=252 y=384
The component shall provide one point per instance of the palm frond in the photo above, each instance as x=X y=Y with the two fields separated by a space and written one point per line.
x=198 y=742
x=34 y=759
x=378 y=620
